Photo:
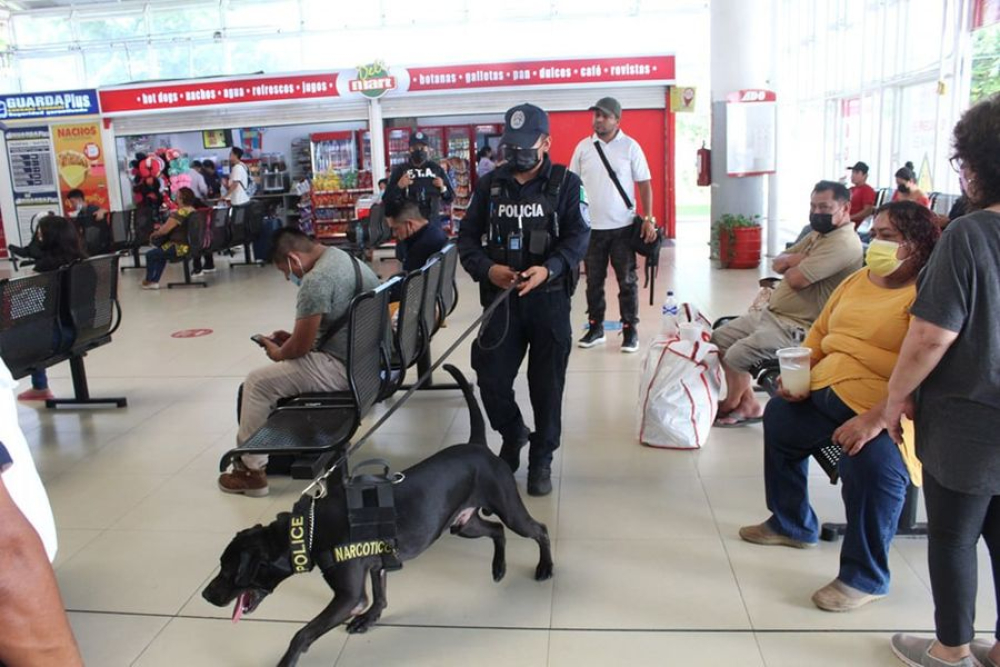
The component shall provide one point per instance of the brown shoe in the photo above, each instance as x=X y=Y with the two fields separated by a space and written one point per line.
x=838 y=596
x=241 y=479
x=762 y=533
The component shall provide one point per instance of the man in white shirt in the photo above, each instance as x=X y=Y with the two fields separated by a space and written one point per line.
x=611 y=219
x=239 y=178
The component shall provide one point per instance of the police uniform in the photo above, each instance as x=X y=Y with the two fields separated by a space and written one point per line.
x=422 y=189
x=543 y=222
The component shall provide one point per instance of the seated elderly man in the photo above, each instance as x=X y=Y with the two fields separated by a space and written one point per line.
x=855 y=345
x=811 y=270
x=309 y=359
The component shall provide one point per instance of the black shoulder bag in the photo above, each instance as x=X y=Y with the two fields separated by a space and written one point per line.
x=339 y=323
x=650 y=249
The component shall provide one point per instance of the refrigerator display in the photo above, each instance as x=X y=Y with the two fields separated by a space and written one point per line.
x=397 y=144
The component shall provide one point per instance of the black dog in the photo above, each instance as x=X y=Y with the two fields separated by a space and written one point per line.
x=444 y=491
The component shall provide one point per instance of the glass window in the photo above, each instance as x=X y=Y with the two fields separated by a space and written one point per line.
x=406 y=12
x=61 y=72
x=42 y=30
x=106 y=67
x=264 y=55
x=277 y=15
x=916 y=129
x=195 y=21
x=105 y=28
x=492 y=11
x=316 y=16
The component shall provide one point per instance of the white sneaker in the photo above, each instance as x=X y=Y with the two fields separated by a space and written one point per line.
x=145 y=285
x=196 y=274
x=208 y=270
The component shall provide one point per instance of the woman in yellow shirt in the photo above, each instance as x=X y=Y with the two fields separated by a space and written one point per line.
x=855 y=343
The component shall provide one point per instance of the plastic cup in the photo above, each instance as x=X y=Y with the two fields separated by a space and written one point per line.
x=690 y=331
x=795 y=363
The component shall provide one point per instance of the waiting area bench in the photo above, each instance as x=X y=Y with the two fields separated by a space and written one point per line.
x=313 y=429
x=58 y=316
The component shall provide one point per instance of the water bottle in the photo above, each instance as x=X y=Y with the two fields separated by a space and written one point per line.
x=669 y=313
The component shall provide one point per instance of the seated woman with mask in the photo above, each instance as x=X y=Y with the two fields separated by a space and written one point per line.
x=855 y=344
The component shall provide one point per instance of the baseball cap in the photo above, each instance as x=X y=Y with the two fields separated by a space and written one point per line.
x=608 y=105
x=523 y=124
x=418 y=138
x=859 y=166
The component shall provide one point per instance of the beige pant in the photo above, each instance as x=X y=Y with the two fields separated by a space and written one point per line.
x=264 y=387
x=755 y=337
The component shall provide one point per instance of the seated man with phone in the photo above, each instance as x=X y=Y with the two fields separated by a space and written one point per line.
x=309 y=359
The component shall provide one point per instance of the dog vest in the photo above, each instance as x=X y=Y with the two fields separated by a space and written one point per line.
x=371 y=513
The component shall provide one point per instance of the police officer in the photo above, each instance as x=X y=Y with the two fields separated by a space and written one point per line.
x=527 y=224
x=420 y=180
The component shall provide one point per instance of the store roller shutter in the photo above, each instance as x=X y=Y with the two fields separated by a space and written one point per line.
x=271 y=115
x=476 y=102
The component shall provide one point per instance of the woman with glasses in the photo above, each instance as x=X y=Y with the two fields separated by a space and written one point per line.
x=948 y=377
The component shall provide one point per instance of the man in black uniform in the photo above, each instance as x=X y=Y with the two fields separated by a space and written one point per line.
x=420 y=180
x=533 y=218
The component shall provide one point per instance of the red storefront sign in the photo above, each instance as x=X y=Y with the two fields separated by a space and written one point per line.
x=165 y=96
x=578 y=71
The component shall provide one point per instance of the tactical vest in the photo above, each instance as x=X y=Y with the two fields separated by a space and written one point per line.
x=523 y=231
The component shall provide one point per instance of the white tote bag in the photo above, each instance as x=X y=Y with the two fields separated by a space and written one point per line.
x=679 y=391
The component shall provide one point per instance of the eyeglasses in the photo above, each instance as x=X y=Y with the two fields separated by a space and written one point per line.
x=956 y=164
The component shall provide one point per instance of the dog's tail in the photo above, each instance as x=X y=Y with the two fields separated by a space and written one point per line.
x=478 y=434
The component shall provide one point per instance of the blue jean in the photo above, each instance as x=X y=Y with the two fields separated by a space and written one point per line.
x=874 y=485
x=40 y=380
x=156 y=262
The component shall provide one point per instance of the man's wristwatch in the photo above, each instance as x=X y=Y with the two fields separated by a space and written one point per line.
x=650 y=219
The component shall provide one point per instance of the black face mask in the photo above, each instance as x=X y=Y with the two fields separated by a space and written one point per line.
x=821 y=222
x=903 y=187
x=418 y=156
x=521 y=159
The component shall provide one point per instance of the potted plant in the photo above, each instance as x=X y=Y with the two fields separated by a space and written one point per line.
x=737 y=239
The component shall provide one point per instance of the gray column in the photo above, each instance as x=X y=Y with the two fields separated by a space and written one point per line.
x=741 y=53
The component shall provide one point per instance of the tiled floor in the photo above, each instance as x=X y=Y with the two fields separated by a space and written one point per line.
x=649 y=568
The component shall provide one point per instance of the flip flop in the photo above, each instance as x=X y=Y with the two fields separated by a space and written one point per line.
x=736 y=421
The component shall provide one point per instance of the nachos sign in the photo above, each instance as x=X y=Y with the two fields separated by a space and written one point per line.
x=373 y=80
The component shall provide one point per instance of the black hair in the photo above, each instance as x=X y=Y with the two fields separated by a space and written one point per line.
x=187 y=197
x=287 y=239
x=485 y=151
x=75 y=193
x=383 y=181
x=208 y=164
x=839 y=190
x=403 y=210
x=906 y=172
x=237 y=151
x=59 y=241
x=977 y=144
x=915 y=223
x=195 y=164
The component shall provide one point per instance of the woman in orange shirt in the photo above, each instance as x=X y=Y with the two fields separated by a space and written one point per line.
x=855 y=343
x=907 y=188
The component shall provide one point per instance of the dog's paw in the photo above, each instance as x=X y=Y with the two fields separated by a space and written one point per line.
x=361 y=624
x=544 y=571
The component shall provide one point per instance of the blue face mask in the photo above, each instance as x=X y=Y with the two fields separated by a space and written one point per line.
x=291 y=275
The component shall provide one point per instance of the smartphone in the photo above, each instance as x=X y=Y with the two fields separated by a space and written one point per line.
x=259 y=339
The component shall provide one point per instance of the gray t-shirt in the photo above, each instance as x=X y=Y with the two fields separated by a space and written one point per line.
x=328 y=288
x=958 y=409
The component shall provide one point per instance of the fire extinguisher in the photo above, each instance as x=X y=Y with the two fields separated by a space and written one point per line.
x=704 y=165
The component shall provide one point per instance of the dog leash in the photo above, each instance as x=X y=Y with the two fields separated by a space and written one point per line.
x=318 y=487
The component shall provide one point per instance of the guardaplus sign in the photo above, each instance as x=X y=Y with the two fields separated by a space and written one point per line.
x=47 y=105
x=373 y=80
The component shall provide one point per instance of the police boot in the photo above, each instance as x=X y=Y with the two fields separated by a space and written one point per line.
x=539 y=480
x=510 y=450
